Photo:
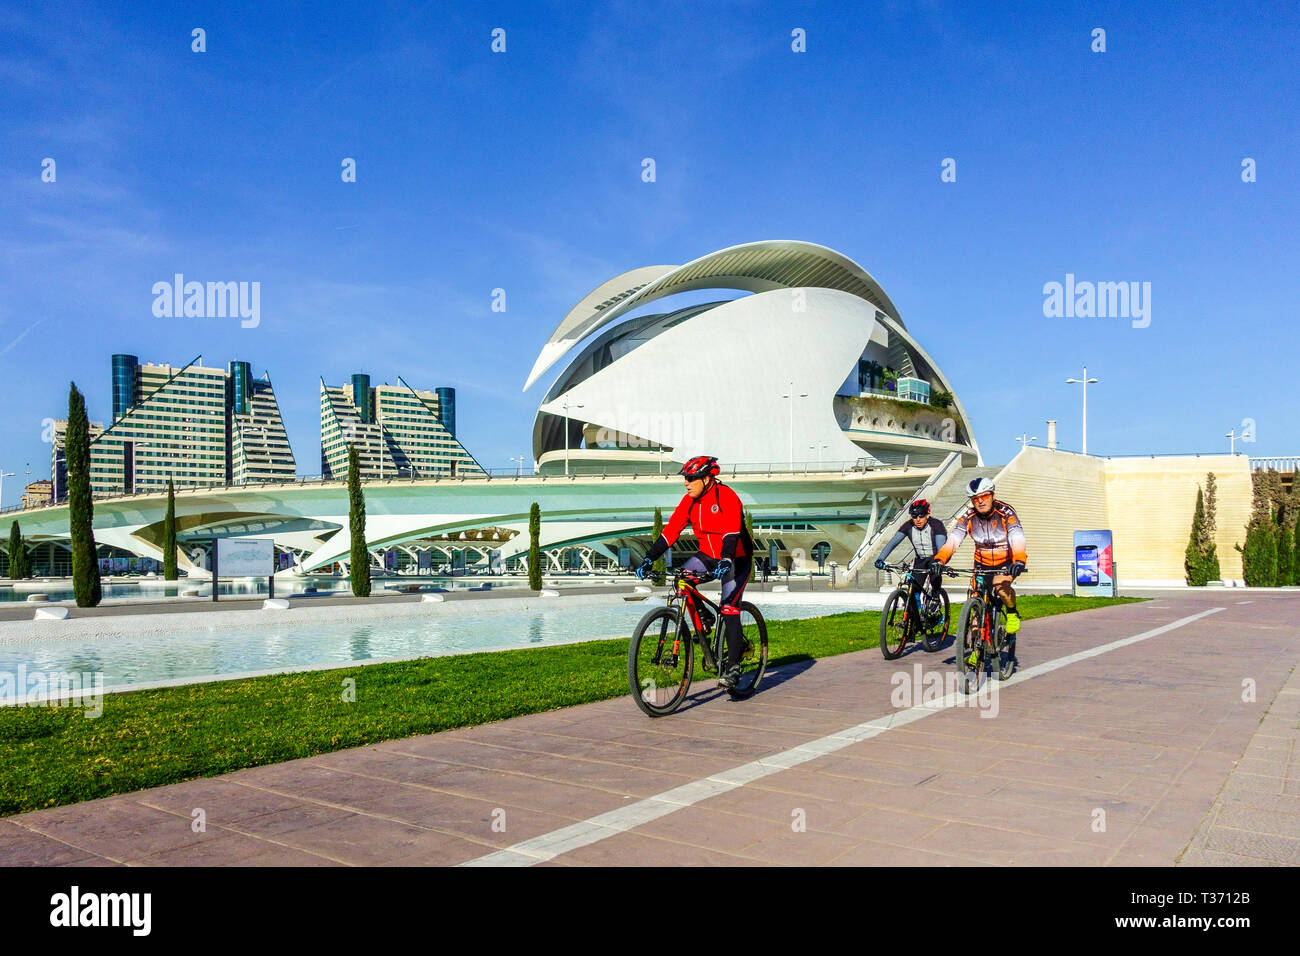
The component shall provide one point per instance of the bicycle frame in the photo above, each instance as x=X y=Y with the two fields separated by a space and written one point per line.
x=982 y=588
x=686 y=590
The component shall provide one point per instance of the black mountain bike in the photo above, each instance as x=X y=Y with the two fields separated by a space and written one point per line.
x=983 y=629
x=661 y=659
x=905 y=616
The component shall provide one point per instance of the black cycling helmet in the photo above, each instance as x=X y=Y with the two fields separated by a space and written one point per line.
x=701 y=466
x=919 y=508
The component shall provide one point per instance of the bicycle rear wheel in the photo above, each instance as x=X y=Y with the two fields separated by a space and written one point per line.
x=968 y=638
x=1006 y=664
x=934 y=637
x=895 y=621
x=660 y=660
x=753 y=661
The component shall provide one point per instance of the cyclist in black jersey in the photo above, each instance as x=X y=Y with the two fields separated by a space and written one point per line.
x=927 y=535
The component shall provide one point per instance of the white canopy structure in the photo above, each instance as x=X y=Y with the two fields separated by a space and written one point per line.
x=799 y=371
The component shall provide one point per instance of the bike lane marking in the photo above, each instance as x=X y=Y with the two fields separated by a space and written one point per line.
x=548 y=846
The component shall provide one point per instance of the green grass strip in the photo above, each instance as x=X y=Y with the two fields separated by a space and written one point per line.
x=53 y=756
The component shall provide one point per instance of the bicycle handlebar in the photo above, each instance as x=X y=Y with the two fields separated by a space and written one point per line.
x=1000 y=569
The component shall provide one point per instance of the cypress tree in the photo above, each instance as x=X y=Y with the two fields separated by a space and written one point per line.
x=1285 y=557
x=660 y=566
x=1259 y=556
x=17 y=553
x=1194 y=559
x=1209 y=527
x=534 y=546
x=1295 y=556
x=169 y=536
x=81 y=510
x=359 y=567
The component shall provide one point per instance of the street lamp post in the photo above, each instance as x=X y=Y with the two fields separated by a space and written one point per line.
x=520 y=472
x=567 y=406
x=1085 y=382
x=3 y=476
x=791 y=395
x=1024 y=439
x=1232 y=441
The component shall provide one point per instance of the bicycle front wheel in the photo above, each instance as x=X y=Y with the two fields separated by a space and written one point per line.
x=969 y=639
x=894 y=623
x=753 y=660
x=659 y=661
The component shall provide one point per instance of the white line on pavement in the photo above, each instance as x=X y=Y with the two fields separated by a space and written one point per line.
x=550 y=845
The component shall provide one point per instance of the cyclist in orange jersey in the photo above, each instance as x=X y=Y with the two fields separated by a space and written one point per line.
x=999 y=546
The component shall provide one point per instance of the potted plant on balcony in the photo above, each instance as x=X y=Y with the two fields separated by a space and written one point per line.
x=890 y=379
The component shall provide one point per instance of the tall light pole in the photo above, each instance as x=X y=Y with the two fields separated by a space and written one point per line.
x=1024 y=439
x=791 y=395
x=567 y=406
x=520 y=472
x=1232 y=441
x=1085 y=382
x=818 y=449
x=3 y=476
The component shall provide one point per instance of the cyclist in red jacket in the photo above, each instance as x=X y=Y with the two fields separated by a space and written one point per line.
x=717 y=517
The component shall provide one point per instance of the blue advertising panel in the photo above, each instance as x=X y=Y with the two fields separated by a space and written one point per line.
x=495 y=563
x=625 y=557
x=1094 y=564
x=426 y=560
x=390 y=560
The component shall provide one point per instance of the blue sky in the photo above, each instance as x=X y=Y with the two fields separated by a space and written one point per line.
x=521 y=171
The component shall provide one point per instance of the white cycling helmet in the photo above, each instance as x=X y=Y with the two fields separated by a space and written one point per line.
x=979 y=486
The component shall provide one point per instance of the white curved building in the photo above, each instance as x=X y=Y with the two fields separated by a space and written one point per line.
x=813 y=369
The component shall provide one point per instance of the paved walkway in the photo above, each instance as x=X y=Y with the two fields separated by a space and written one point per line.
x=1256 y=819
x=1119 y=758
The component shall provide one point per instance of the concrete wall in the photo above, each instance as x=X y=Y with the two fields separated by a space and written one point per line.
x=1151 y=505
x=1055 y=494
x=1147 y=503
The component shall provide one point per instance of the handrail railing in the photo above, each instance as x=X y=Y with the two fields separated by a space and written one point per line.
x=1283 y=464
x=647 y=472
x=941 y=474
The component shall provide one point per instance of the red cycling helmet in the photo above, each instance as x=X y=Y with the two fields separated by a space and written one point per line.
x=919 y=508
x=701 y=466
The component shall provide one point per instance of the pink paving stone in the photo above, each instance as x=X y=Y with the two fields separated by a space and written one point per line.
x=368 y=841
x=22 y=847
x=633 y=849
x=1008 y=848
x=117 y=828
x=886 y=855
x=221 y=799
x=712 y=829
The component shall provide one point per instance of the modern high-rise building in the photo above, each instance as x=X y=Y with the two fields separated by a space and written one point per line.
x=193 y=425
x=399 y=431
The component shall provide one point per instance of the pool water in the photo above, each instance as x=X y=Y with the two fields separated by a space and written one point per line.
x=154 y=588
x=200 y=652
